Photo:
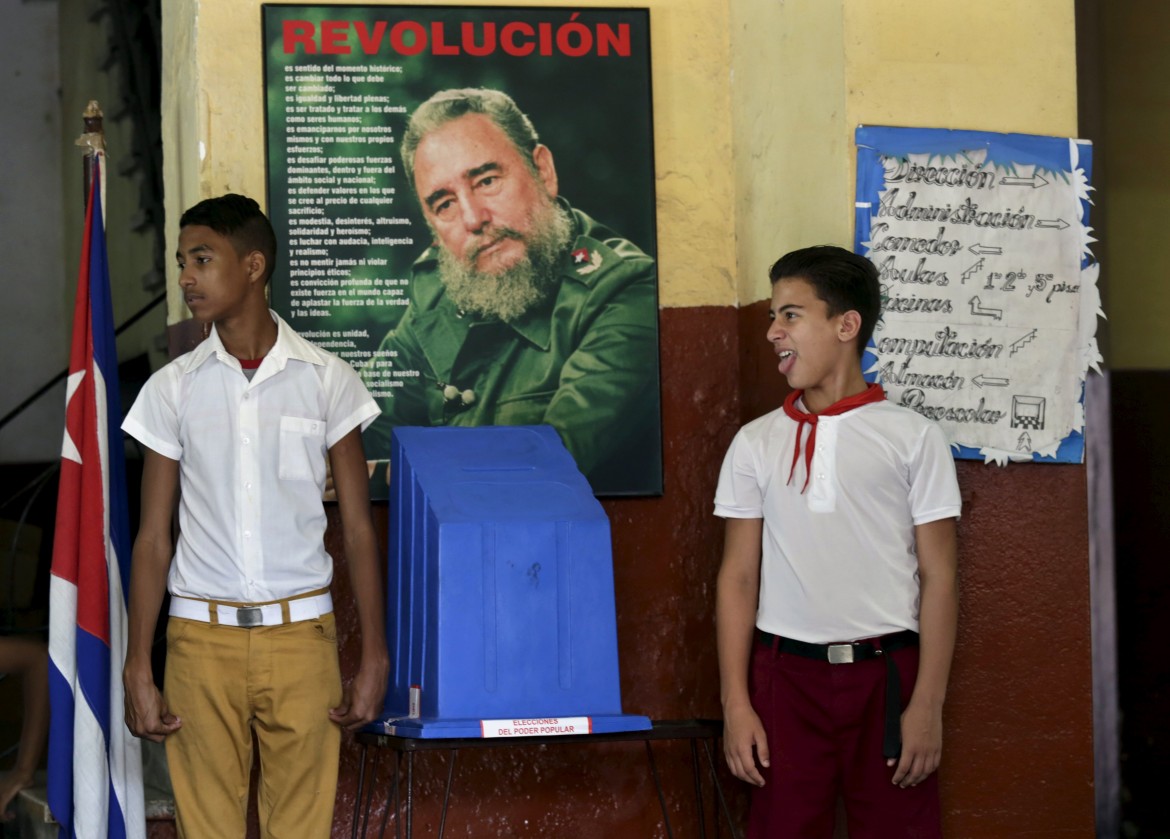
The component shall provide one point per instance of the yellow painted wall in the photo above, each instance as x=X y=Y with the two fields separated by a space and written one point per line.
x=1000 y=65
x=808 y=72
x=213 y=130
x=792 y=141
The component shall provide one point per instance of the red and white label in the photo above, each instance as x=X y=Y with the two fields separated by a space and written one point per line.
x=540 y=727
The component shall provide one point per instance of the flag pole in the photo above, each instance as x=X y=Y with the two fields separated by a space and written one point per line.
x=93 y=140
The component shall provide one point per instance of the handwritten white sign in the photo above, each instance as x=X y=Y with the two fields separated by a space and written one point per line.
x=990 y=298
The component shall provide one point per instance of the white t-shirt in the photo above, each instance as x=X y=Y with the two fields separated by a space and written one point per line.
x=839 y=561
x=251 y=463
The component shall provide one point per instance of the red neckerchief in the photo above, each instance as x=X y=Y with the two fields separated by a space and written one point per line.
x=873 y=393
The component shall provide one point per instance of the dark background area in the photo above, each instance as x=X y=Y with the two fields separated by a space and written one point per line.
x=1141 y=503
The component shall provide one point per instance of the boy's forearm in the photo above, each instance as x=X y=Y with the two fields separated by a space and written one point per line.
x=148 y=582
x=150 y=559
x=938 y=609
x=735 y=620
x=366 y=582
x=938 y=623
x=351 y=479
x=369 y=686
x=736 y=603
x=745 y=743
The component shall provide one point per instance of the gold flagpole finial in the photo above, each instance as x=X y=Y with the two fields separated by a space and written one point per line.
x=94 y=138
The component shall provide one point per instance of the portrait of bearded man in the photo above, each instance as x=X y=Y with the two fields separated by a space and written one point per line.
x=524 y=310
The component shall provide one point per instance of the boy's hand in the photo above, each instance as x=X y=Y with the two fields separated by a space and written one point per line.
x=147 y=715
x=361 y=702
x=921 y=744
x=743 y=741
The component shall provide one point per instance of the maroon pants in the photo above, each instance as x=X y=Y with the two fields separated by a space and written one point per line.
x=824 y=724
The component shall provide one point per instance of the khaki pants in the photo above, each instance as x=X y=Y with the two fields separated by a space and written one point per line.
x=225 y=683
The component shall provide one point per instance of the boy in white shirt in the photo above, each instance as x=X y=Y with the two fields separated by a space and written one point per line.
x=837 y=596
x=237 y=431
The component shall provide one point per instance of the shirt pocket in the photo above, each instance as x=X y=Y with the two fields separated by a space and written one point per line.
x=523 y=409
x=302 y=449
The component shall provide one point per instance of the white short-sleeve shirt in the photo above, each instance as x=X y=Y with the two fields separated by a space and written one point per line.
x=839 y=560
x=251 y=463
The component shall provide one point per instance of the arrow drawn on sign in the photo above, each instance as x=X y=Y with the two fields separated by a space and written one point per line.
x=989 y=381
x=982 y=250
x=976 y=267
x=977 y=309
x=1057 y=223
x=1035 y=181
x=1024 y=444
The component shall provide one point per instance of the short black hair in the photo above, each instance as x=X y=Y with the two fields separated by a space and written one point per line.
x=841 y=278
x=240 y=219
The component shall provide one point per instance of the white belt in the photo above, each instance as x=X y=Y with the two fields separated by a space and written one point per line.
x=270 y=614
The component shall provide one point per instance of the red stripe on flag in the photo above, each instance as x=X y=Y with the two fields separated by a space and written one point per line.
x=93 y=584
x=65 y=554
x=79 y=546
x=68 y=511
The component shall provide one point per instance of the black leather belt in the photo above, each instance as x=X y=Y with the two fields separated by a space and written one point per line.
x=864 y=650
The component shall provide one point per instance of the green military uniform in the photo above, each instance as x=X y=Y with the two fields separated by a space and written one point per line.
x=585 y=362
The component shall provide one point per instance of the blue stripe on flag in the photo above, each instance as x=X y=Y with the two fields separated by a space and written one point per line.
x=60 y=775
x=93 y=679
x=105 y=357
x=116 y=828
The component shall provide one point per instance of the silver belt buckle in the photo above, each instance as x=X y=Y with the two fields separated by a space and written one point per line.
x=253 y=616
x=840 y=654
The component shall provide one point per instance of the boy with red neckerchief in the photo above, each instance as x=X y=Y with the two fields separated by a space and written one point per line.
x=837 y=596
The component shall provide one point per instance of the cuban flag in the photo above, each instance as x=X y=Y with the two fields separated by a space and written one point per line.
x=95 y=764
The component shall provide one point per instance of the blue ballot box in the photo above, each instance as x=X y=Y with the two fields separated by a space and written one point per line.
x=500 y=603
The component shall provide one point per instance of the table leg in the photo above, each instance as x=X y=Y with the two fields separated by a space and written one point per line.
x=358 y=799
x=397 y=825
x=447 y=793
x=658 y=788
x=698 y=789
x=409 y=795
x=369 y=791
x=719 y=790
